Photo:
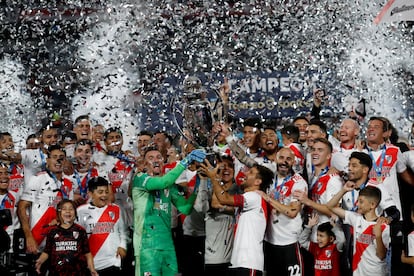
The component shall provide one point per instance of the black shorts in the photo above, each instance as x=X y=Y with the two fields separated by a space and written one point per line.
x=241 y=271
x=283 y=259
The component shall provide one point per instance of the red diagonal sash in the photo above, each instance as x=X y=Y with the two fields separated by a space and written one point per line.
x=41 y=228
x=102 y=228
x=121 y=169
x=85 y=179
x=298 y=154
x=361 y=247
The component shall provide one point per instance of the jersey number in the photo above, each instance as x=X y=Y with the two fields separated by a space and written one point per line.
x=294 y=270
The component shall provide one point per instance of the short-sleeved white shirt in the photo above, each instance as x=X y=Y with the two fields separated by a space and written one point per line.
x=281 y=229
x=365 y=261
x=250 y=230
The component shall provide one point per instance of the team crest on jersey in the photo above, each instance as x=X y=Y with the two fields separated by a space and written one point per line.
x=56 y=236
x=284 y=190
x=75 y=234
x=111 y=215
x=328 y=253
x=319 y=187
x=388 y=158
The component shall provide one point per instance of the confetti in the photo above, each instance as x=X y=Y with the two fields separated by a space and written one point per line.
x=110 y=58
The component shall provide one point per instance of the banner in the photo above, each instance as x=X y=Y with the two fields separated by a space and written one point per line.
x=267 y=95
x=395 y=11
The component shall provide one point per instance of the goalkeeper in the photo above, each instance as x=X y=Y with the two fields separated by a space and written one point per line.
x=153 y=195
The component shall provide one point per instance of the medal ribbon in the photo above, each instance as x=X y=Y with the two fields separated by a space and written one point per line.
x=83 y=186
x=3 y=202
x=354 y=200
x=43 y=158
x=378 y=169
x=278 y=189
x=324 y=171
x=61 y=187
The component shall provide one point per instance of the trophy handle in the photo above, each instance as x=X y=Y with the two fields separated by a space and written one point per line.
x=173 y=111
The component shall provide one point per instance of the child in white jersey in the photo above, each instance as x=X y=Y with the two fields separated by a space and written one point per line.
x=371 y=233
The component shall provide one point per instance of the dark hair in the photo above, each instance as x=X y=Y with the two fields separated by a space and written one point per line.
x=291 y=132
x=56 y=147
x=252 y=122
x=96 y=182
x=412 y=208
x=150 y=148
x=47 y=126
x=371 y=192
x=266 y=175
x=69 y=136
x=385 y=122
x=60 y=205
x=84 y=142
x=81 y=118
x=324 y=141
x=269 y=125
x=168 y=136
x=300 y=118
x=112 y=129
x=2 y=134
x=30 y=137
x=320 y=124
x=225 y=157
x=326 y=227
x=364 y=159
x=145 y=132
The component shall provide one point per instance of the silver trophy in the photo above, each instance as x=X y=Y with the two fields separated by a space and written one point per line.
x=193 y=114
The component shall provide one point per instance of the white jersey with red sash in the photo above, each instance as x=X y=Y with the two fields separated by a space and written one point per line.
x=365 y=261
x=240 y=169
x=251 y=226
x=222 y=149
x=80 y=181
x=119 y=173
x=387 y=162
x=349 y=200
x=322 y=189
x=9 y=201
x=283 y=230
x=106 y=231
x=45 y=192
x=16 y=182
x=299 y=157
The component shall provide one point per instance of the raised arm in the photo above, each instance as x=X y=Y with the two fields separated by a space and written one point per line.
x=290 y=210
x=303 y=197
x=151 y=183
x=332 y=204
x=380 y=250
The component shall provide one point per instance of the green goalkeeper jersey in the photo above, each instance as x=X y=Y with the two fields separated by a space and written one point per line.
x=152 y=198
